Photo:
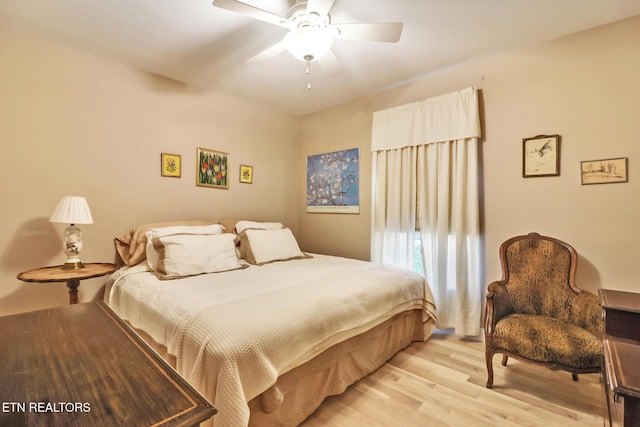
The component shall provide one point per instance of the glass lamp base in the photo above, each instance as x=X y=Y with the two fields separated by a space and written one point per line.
x=72 y=246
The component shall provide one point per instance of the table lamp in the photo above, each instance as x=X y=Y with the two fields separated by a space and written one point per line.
x=72 y=210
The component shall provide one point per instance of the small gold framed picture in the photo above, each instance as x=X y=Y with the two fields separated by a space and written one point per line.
x=246 y=174
x=171 y=165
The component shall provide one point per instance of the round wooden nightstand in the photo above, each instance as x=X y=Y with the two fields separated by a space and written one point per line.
x=72 y=277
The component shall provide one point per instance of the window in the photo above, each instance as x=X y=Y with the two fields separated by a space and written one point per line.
x=418 y=266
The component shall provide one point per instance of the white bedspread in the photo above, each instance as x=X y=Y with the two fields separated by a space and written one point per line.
x=233 y=333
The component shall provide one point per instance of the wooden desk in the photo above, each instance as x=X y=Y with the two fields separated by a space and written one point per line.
x=82 y=365
x=621 y=313
x=621 y=358
x=72 y=277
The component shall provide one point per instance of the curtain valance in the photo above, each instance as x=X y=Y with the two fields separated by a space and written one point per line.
x=447 y=117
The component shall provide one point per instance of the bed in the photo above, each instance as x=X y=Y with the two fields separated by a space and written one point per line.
x=260 y=328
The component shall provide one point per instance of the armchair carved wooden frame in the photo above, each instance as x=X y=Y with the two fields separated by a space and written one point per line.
x=537 y=314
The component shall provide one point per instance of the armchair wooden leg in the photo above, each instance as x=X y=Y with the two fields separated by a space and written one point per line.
x=575 y=377
x=489 y=357
x=504 y=359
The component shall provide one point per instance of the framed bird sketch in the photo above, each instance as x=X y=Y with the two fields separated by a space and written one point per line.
x=541 y=156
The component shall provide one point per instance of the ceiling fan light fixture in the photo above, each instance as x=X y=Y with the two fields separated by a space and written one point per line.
x=308 y=43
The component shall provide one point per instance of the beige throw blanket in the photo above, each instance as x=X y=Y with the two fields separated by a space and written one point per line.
x=234 y=333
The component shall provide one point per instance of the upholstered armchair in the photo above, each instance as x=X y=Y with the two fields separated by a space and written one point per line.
x=536 y=314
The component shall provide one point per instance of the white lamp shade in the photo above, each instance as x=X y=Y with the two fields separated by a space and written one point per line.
x=308 y=43
x=72 y=210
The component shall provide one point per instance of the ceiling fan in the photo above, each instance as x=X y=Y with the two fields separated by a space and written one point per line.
x=311 y=32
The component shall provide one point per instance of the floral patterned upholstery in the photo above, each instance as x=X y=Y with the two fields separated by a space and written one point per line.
x=537 y=314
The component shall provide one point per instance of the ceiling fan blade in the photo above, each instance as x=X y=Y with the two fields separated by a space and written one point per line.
x=329 y=63
x=322 y=7
x=372 y=31
x=267 y=54
x=251 y=11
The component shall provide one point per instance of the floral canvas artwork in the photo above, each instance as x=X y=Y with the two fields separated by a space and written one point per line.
x=333 y=182
x=213 y=167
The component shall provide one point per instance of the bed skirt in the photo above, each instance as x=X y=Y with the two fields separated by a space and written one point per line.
x=299 y=392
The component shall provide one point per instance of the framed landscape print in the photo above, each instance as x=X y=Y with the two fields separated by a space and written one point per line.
x=541 y=156
x=212 y=168
x=333 y=182
x=171 y=165
x=605 y=171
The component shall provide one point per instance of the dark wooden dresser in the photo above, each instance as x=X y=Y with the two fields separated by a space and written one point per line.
x=82 y=365
x=621 y=356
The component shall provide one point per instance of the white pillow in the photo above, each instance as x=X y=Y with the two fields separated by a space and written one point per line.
x=182 y=255
x=152 y=233
x=262 y=246
x=245 y=225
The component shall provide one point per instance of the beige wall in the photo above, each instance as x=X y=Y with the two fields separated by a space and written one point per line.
x=72 y=123
x=584 y=87
x=333 y=130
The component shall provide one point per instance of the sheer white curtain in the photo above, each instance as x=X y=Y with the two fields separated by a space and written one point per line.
x=425 y=165
x=394 y=206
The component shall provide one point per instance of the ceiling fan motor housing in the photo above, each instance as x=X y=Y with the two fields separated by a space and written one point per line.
x=299 y=16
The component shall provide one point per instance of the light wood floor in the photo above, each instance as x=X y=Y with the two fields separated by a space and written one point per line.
x=441 y=382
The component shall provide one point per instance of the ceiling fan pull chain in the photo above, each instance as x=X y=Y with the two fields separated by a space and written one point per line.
x=308 y=74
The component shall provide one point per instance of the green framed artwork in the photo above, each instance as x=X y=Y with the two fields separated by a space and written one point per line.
x=212 y=168
x=171 y=165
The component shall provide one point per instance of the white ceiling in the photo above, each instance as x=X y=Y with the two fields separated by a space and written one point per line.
x=196 y=43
